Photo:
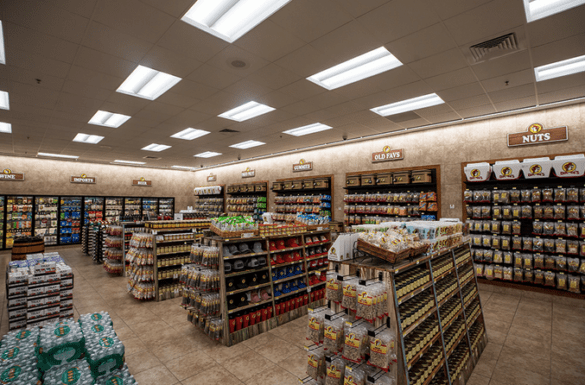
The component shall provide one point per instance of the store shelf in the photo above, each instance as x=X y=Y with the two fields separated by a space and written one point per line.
x=452 y=319
x=318 y=284
x=289 y=278
x=384 y=188
x=317 y=243
x=287 y=249
x=319 y=269
x=244 y=255
x=175 y=265
x=289 y=294
x=287 y=264
x=434 y=372
x=466 y=261
x=249 y=288
x=249 y=306
x=474 y=318
x=167 y=242
x=245 y=272
x=457 y=341
x=467 y=280
x=408 y=296
x=173 y=253
x=439 y=277
x=414 y=325
x=414 y=359
x=317 y=256
x=448 y=297
x=470 y=299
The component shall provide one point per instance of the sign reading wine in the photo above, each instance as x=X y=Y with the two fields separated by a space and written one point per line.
x=142 y=182
x=387 y=155
x=537 y=134
x=303 y=166
x=83 y=179
x=7 y=174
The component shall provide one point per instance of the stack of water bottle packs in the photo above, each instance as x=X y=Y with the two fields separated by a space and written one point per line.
x=85 y=352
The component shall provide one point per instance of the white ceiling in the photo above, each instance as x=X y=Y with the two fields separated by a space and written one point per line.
x=82 y=50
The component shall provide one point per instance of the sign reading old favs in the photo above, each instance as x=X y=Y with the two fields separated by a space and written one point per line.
x=142 y=182
x=7 y=174
x=303 y=166
x=537 y=134
x=82 y=179
x=387 y=155
x=248 y=173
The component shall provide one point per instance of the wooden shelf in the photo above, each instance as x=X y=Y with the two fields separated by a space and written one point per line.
x=249 y=306
x=249 y=288
x=418 y=322
x=244 y=256
x=408 y=296
x=414 y=359
x=456 y=343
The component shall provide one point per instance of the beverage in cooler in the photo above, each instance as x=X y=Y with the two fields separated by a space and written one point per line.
x=19 y=211
x=132 y=206
x=93 y=209
x=150 y=207
x=70 y=220
x=166 y=207
x=113 y=209
x=1 y=222
x=46 y=212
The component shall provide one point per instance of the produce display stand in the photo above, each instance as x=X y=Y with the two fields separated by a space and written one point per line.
x=456 y=308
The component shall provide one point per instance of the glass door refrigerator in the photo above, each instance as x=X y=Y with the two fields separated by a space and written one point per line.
x=46 y=218
x=19 y=212
x=93 y=209
x=132 y=206
x=166 y=207
x=150 y=207
x=2 y=200
x=113 y=209
x=70 y=220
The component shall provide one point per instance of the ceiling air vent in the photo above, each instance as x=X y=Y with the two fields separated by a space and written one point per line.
x=228 y=130
x=496 y=47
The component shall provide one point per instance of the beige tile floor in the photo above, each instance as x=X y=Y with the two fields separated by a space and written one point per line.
x=534 y=339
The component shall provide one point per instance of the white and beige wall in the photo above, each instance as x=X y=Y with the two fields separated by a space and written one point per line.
x=447 y=147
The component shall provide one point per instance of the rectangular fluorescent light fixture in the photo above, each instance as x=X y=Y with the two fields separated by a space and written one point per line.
x=183 y=168
x=539 y=9
x=108 y=119
x=190 y=134
x=306 y=130
x=247 y=144
x=409 y=105
x=57 y=155
x=2 y=52
x=364 y=66
x=147 y=83
x=230 y=19
x=156 y=147
x=207 y=154
x=85 y=138
x=5 y=128
x=128 y=162
x=560 y=68
x=246 y=111
x=4 y=103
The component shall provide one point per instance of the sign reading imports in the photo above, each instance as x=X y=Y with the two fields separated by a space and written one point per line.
x=248 y=173
x=537 y=134
x=142 y=182
x=387 y=155
x=82 y=179
x=303 y=166
x=212 y=178
x=7 y=174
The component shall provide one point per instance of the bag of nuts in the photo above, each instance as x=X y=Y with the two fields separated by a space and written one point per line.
x=354 y=337
x=316 y=326
x=334 y=334
x=349 y=300
x=335 y=371
x=365 y=303
x=382 y=349
x=333 y=290
x=315 y=362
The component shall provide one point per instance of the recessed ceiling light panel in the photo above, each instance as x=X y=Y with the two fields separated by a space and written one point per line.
x=108 y=119
x=409 y=105
x=364 y=66
x=230 y=19
x=190 y=134
x=147 y=83
x=5 y=128
x=128 y=162
x=539 y=9
x=85 y=138
x=2 y=52
x=57 y=155
x=183 y=168
x=560 y=68
x=306 y=130
x=207 y=154
x=4 y=102
x=247 y=144
x=156 y=147
x=246 y=111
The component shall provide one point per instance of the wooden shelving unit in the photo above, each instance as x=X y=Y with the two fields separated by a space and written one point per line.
x=303 y=195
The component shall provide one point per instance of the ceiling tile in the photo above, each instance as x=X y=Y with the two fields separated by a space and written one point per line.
x=434 y=110
x=269 y=41
x=396 y=77
x=247 y=89
x=302 y=89
x=83 y=89
x=563 y=94
x=512 y=93
x=110 y=41
x=452 y=79
x=175 y=8
x=93 y=79
x=25 y=76
x=358 y=8
x=556 y=27
x=177 y=99
x=38 y=43
x=224 y=59
x=327 y=99
x=190 y=41
x=502 y=66
x=213 y=77
x=446 y=61
x=129 y=103
x=421 y=44
x=193 y=89
x=408 y=91
x=36 y=63
x=165 y=60
x=514 y=79
x=442 y=118
x=516 y=103
x=102 y=62
x=473 y=101
x=362 y=88
x=80 y=7
x=276 y=99
x=187 y=119
x=461 y=92
x=449 y=8
x=559 y=50
x=561 y=83
x=414 y=123
x=345 y=43
x=301 y=108
x=306 y=61
x=273 y=76
x=398 y=18
x=486 y=21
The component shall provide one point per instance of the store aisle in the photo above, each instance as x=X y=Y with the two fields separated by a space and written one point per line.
x=534 y=339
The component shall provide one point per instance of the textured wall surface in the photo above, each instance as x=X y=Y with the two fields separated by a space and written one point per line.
x=51 y=177
x=448 y=147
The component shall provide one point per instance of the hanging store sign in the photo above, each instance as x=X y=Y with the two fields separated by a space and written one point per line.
x=212 y=178
x=84 y=179
x=387 y=155
x=142 y=182
x=7 y=174
x=248 y=173
x=303 y=166
x=537 y=134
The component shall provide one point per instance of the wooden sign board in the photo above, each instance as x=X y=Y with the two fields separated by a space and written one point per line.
x=83 y=179
x=248 y=173
x=142 y=182
x=387 y=155
x=537 y=134
x=8 y=175
x=303 y=166
x=212 y=178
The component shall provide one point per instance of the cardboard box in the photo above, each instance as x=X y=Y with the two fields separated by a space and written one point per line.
x=571 y=166
x=309 y=184
x=368 y=180
x=36 y=303
x=507 y=170
x=36 y=280
x=402 y=177
x=17 y=291
x=534 y=168
x=17 y=302
x=353 y=180
x=422 y=176
x=43 y=290
x=478 y=172
x=17 y=324
x=384 y=179
x=17 y=313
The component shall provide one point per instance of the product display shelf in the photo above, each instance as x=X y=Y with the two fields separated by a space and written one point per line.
x=132 y=206
x=85 y=239
x=150 y=207
x=166 y=207
x=128 y=229
x=113 y=250
x=19 y=217
x=114 y=209
x=512 y=219
x=382 y=195
x=93 y=209
x=210 y=201
x=2 y=201
x=70 y=220
x=96 y=241
x=297 y=292
x=302 y=195
x=46 y=219
x=444 y=270
x=247 y=200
